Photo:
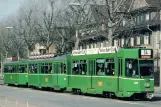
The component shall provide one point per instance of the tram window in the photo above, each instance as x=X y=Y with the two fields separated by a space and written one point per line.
x=109 y=67
x=100 y=63
x=65 y=68
x=80 y=67
x=56 y=68
x=62 y=68
x=42 y=68
x=75 y=67
x=105 y=66
x=22 y=69
x=48 y=68
x=33 y=68
x=120 y=67
x=83 y=67
x=10 y=69
x=131 y=68
x=6 y=70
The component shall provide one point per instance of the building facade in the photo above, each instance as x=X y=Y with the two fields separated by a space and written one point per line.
x=140 y=26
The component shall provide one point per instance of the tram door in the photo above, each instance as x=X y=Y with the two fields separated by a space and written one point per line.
x=91 y=72
x=56 y=72
x=120 y=74
x=16 y=74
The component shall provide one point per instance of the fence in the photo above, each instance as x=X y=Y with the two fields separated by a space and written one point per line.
x=6 y=102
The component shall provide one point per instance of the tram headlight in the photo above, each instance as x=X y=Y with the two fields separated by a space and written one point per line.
x=147 y=85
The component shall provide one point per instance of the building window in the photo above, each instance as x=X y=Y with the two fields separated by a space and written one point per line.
x=142 y=39
x=94 y=45
x=42 y=51
x=122 y=41
x=98 y=45
x=147 y=16
x=147 y=38
x=138 y=19
x=101 y=44
x=80 y=47
x=104 y=43
x=152 y=15
x=132 y=41
x=144 y=17
x=141 y=18
x=138 y=40
x=135 y=40
x=124 y=22
x=89 y=45
x=115 y=42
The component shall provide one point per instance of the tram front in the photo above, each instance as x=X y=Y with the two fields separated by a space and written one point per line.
x=146 y=72
x=137 y=79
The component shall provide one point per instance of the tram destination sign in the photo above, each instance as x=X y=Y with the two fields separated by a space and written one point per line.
x=95 y=51
x=145 y=53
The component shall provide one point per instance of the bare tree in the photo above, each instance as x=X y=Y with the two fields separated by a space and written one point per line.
x=46 y=25
x=5 y=39
x=79 y=17
x=115 y=16
x=17 y=38
x=25 y=24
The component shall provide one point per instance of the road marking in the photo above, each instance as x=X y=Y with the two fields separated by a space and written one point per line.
x=125 y=102
x=62 y=94
x=90 y=98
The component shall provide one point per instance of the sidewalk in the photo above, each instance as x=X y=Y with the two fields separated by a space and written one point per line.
x=6 y=102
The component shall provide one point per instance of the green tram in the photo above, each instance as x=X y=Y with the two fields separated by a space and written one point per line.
x=110 y=71
x=16 y=73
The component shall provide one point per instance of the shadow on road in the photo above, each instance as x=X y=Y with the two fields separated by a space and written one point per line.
x=154 y=99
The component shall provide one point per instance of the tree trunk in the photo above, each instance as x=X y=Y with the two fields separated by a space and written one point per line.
x=63 y=46
x=18 y=56
x=110 y=37
x=47 y=49
x=28 y=51
x=77 y=41
x=63 y=42
x=6 y=54
x=110 y=33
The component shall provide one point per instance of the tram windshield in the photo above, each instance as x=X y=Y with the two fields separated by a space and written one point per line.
x=146 y=68
x=137 y=69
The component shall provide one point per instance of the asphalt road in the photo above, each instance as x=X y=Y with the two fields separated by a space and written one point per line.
x=57 y=99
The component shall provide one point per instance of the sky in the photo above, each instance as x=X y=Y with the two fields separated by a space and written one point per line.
x=8 y=7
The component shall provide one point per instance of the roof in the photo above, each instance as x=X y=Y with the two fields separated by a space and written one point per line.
x=140 y=4
x=140 y=26
x=154 y=3
x=63 y=57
